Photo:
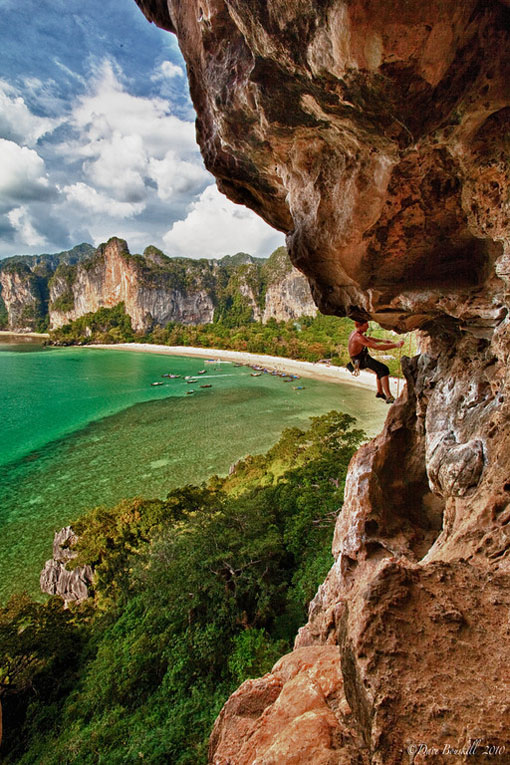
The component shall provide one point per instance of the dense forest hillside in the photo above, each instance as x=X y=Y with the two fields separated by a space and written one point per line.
x=136 y=673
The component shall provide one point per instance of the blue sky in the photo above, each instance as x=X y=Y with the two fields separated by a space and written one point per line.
x=97 y=138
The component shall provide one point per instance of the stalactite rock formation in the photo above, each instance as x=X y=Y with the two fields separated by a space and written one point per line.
x=375 y=134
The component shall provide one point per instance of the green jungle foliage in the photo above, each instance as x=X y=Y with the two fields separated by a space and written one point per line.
x=64 y=302
x=4 y=316
x=309 y=338
x=192 y=595
x=50 y=262
x=107 y=325
x=64 y=275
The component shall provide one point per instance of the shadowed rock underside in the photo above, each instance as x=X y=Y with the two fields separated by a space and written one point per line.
x=376 y=135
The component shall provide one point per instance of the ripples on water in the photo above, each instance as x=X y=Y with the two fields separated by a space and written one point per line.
x=83 y=427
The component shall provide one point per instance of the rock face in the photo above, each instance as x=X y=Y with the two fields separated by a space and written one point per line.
x=372 y=132
x=297 y=713
x=375 y=134
x=288 y=295
x=21 y=297
x=156 y=289
x=55 y=289
x=55 y=579
x=113 y=276
x=24 y=287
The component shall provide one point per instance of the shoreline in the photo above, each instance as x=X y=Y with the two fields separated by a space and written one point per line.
x=311 y=369
x=5 y=332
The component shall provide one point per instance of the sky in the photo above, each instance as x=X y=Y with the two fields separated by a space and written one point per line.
x=97 y=138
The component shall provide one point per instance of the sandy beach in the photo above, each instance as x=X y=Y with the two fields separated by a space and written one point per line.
x=24 y=334
x=317 y=371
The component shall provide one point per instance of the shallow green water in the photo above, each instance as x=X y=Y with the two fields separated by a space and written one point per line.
x=83 y=427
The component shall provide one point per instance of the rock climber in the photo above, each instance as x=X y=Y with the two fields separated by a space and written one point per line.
x=360 y=358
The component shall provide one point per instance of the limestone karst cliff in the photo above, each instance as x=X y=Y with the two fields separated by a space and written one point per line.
x=23 y=300
x=150 y=294
x=24 y=291
x=375 y=134
x=155 y=289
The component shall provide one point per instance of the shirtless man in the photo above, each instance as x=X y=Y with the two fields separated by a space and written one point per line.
x=360 y=359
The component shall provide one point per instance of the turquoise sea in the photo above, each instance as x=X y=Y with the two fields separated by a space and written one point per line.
x=83 y=427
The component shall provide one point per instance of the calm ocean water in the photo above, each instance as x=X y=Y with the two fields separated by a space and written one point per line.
x=82 y=427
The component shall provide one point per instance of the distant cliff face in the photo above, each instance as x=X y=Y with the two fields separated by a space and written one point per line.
x=155 y=289
x=24 y=291
x=22 y=294
x=150 y=294
x=288 y=294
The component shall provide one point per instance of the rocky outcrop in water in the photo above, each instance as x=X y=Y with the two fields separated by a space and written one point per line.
x=56 y=579
x=375 y=135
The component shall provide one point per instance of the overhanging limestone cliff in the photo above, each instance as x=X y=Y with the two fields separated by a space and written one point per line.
x=372 y=133
x=375 y=134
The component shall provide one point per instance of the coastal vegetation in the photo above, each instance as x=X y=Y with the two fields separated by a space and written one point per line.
x=191 y=596
x=106 y=325
x=308 y=339
x=233 y=303
x=4 y=316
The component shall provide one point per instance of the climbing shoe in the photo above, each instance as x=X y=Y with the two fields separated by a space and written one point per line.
x=380 y=395
x=390 y=400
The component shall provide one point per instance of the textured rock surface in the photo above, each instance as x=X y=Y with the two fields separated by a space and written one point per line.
x=113 y=276
x=295 y=714
x=55 y=579
x=154 y=288
x=371 y=132
x=375 y=134
x=21 y=295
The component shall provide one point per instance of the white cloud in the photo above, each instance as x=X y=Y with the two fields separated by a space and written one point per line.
x=23 y=175
x=168 y=70
x=175 y=176
x=119 y=164
x=19 y=218
x=215 y=227
x=89 y=199
x=128 y=144
x=17 y=123
x=110 y=110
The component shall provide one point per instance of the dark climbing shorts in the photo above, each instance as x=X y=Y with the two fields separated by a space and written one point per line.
x=367 y=362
